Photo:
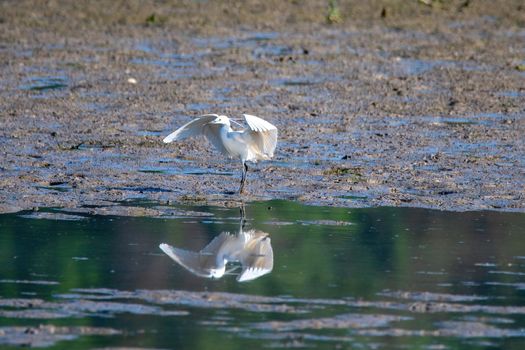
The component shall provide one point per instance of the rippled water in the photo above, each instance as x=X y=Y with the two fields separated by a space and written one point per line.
x=291 y=276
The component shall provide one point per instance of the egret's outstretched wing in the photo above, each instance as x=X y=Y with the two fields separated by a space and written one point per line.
x=258 y=124
x=257 y=256
x=209 y=262
x=261 y=135
x=216 y=244
x=200 y=126
x=192 y=128
x=197 y=263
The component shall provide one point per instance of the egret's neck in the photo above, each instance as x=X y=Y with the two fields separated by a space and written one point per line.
x=225 y=129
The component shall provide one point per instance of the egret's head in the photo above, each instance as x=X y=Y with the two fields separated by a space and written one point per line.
x=220 y=267
x=218 y=272
x=222 y=119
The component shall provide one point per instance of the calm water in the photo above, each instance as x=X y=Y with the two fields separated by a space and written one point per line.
x=377 y=278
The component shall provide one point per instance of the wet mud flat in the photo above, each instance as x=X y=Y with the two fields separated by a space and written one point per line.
x=401 y=104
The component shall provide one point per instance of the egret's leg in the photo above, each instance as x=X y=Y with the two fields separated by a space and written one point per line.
x=243 y=218
x=243 y=178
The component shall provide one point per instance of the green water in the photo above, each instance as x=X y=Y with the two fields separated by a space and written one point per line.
x=377 y=278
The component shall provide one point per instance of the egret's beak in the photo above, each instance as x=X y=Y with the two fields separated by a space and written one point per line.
x=239 y=124
x=230 y=271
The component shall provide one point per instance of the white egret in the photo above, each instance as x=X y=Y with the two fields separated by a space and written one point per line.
x=256 y=142
x=252 y=249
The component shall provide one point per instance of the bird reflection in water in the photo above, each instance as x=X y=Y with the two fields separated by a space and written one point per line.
x=251 y=249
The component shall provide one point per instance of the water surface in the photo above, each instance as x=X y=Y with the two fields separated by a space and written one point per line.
x=378 y=278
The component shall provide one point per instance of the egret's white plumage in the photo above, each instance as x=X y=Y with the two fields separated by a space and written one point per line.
x=256 y=142
x=252 y=249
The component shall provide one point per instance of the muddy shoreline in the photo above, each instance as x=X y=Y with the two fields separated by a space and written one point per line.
x=422 y=107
